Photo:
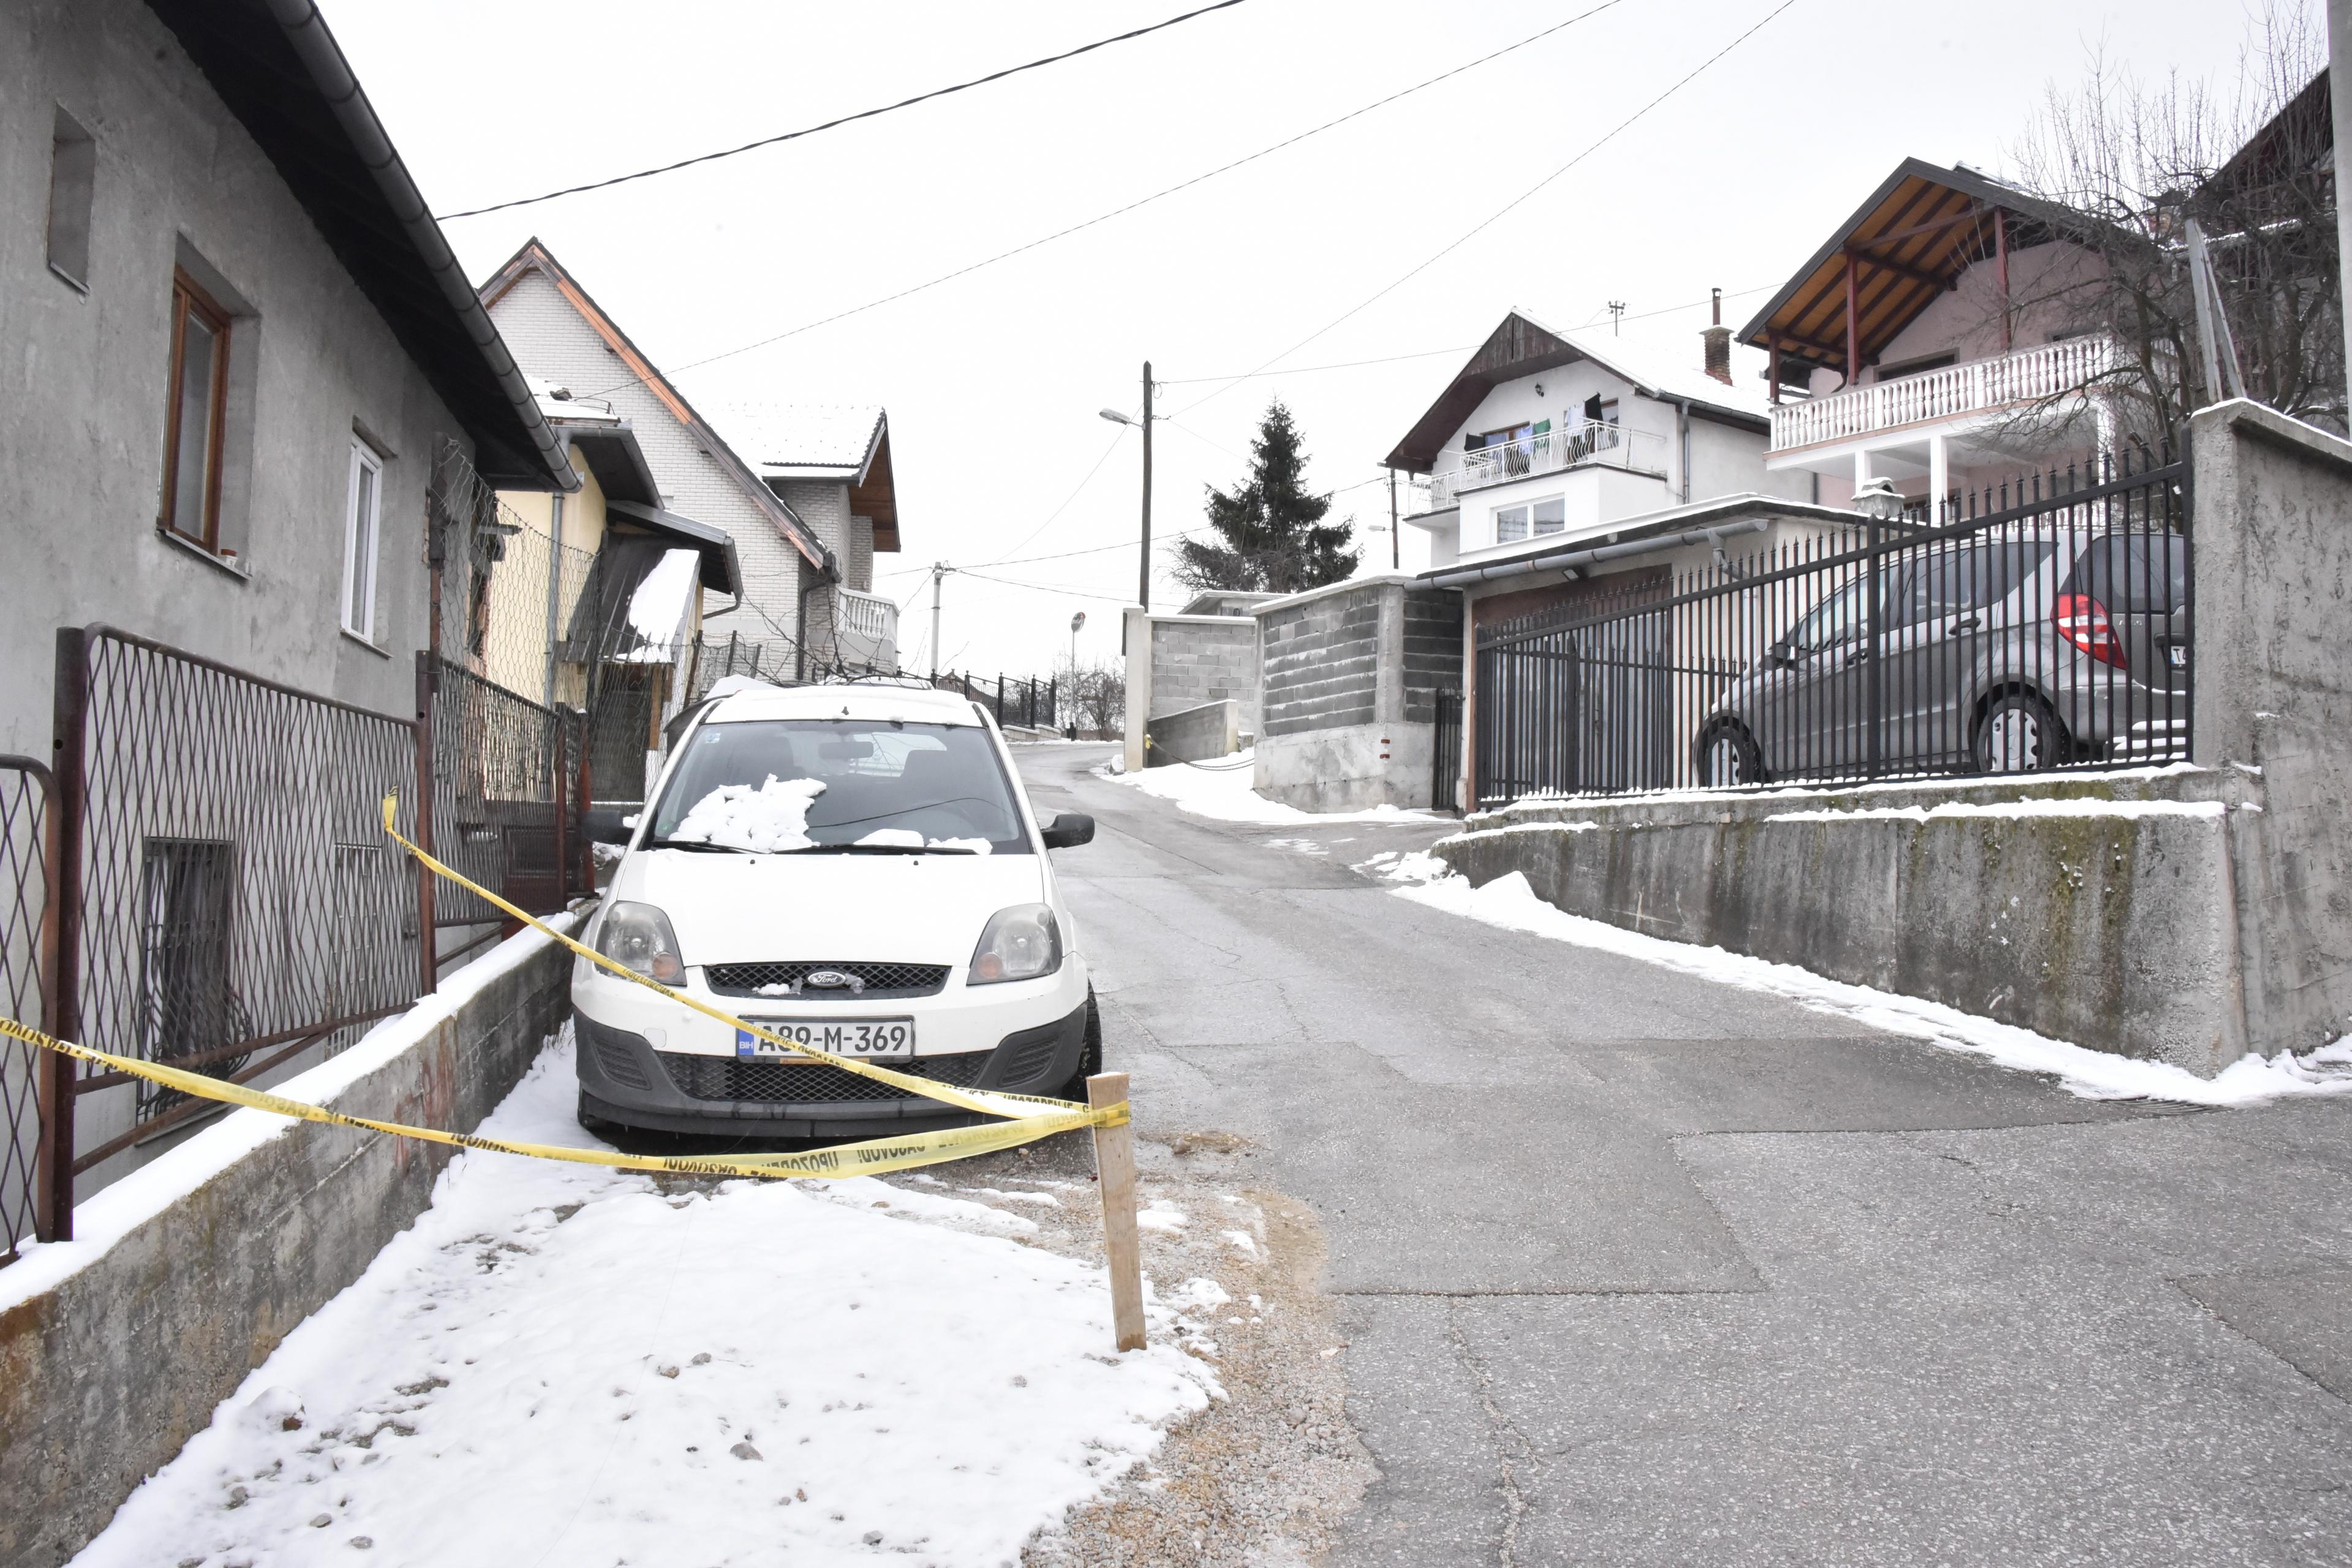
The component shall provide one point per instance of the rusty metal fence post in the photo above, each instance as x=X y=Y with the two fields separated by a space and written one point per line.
x=70 y=737
x=428 y=957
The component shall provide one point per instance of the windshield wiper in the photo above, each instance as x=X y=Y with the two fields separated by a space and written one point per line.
x=699 y=845
x=886 y=850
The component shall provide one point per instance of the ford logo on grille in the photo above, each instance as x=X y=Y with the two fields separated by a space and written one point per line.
x=831 y=980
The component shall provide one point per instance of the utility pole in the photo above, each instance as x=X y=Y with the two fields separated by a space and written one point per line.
x=2339 y=70
x=939 y=570
x=1143 y=592
x=1396 y=550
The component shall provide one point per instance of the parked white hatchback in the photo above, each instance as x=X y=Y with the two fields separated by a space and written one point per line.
x=856 y=866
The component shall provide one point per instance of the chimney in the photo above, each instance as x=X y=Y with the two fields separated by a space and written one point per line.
x=1719 y=344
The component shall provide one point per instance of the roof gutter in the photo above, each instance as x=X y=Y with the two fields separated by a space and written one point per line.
x=306 y=31
x=1573 y=561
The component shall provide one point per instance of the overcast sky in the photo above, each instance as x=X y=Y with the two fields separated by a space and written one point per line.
x=992 y=381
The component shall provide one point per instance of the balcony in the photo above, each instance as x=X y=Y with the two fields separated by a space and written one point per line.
x=868 y=630
x=1955 y=392
x=1584 y=443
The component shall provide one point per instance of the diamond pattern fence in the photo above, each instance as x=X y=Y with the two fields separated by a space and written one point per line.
x=28 y=1077
x=206 y=881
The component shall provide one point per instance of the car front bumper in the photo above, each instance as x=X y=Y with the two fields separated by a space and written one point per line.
x=623 y=1078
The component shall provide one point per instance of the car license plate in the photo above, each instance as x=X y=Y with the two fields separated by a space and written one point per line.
x=2177 y=653
x=871 y=1039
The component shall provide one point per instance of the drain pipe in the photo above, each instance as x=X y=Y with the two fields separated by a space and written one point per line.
x=1682 y=429
x=1573 y=561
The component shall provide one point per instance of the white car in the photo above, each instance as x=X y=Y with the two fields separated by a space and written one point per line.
x=856 y=866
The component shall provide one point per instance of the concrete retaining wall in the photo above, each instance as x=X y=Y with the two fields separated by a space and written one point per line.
x=116 y=1347
x=1195 y=735
x=1351 y=769
x=2274 y=704
x=2095 y=910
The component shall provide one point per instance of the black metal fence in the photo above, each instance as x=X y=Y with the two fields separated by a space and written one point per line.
x=205 y=881
x=1024 y=700
x=2049 y=625
x=226 y=899
x=1445 y=754
x=29 y=1078
x=508 y=798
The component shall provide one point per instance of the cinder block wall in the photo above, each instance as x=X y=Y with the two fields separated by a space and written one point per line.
x=1352 y=678
x=1197 y=659
x=1322 y=661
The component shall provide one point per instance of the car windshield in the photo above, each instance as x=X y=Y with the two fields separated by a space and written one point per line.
x=840 y=786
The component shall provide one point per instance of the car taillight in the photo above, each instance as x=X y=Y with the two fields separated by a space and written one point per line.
x=2083 y=621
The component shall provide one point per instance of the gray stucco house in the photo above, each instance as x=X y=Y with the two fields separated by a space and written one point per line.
x=235 y=341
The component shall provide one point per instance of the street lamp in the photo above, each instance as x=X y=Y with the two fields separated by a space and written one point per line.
x=1143 y=573
x=1075 y=622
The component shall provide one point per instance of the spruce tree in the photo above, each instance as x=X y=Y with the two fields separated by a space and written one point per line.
x=1270 y=534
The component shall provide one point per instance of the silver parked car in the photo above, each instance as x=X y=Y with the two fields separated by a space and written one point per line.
x=2004 y=652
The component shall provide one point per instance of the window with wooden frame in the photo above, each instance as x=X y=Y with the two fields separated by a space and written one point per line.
x=194 y=423
x=362 y=510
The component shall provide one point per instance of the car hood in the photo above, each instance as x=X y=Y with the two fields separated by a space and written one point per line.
x=783 y=909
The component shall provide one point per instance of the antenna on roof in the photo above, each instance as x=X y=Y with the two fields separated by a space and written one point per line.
x=1616 y=315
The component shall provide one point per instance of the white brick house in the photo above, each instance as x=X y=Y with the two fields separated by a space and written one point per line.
x=559 y=334
x=831 y=466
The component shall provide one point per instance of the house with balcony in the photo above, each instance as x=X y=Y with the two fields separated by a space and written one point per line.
x=1928 y=343
x=831 y=464
x=1552 y=437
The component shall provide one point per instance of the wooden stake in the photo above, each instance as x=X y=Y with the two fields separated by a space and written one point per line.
x=1115 y=1169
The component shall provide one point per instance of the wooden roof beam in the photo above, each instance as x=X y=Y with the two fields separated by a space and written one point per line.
x=1901 y=269
x=1974 y=210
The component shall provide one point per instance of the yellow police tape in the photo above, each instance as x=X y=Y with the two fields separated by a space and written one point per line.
x=1029 y=1117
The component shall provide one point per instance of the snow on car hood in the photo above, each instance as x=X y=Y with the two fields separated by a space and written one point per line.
x=781 y=909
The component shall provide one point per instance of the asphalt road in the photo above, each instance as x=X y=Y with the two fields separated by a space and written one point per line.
x=1639 y=1268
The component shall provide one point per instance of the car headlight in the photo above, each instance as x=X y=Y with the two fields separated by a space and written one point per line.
x=1020 y=943
x=637 y=936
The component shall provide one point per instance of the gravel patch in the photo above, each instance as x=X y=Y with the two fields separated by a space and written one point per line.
x=1265 y=1476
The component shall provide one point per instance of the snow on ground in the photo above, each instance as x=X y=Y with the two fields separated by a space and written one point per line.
x=565 y=1365
x=1222 y=790
x=1511 y=903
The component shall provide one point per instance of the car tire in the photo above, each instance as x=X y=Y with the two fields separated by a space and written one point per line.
x=1727 y=749
x=1090 y=1061
x=2019 y=734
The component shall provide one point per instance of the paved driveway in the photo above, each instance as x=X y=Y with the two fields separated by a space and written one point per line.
x=1638 y=1268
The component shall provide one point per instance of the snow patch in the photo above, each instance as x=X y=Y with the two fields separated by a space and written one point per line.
x=1511 y=903
x=112 y=1213
x=758 y=1372
x=1222 y=790
x=765 y=820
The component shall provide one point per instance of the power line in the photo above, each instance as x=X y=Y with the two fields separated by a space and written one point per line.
x=1426 y=353
x=1499 y=214
x=1121 y=212
x=845 y=120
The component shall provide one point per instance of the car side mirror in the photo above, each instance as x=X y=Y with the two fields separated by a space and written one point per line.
x=610 y=824
x=1069 y=830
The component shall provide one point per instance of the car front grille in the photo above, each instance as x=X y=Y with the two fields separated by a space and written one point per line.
x=882 y=981
x=808 y=1083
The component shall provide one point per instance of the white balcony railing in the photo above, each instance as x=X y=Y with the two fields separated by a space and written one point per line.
x=869 y=632
x=1980 y=386
x=1583 y=443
